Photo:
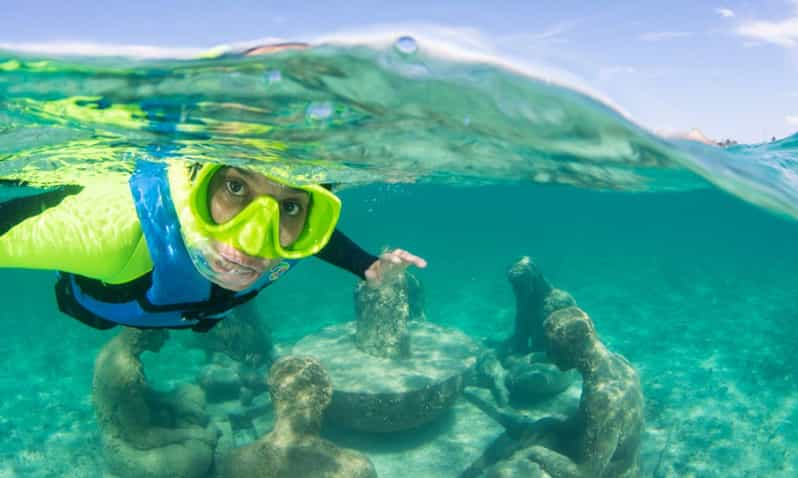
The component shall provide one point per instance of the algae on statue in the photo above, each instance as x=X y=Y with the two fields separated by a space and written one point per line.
x=392 y=369
x=301 y=390
x=518 y=368
x=239 y=351
x=530 y=374
x=242 y=336
x=602 y=439
x=530 y=289
x=610 y=418
x=382 y=315
x=147 y=433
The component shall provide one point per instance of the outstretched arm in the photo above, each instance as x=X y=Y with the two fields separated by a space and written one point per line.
x=554 y=464
x=519 y=426
x=598 y=446
x=344 y=253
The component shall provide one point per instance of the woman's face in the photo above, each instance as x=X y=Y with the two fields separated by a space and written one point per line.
x=230 y=191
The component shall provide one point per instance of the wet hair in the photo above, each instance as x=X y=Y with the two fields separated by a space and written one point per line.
x=195 y=167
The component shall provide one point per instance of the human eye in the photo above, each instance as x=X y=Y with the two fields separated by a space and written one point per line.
x=236 y=188
x=291 y=207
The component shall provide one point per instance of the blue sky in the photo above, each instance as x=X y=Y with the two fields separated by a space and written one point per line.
x=729 y=68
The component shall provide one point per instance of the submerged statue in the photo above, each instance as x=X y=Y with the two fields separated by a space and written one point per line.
x=383 y=313
x=519 y=368
x=530 y=289
x=238 y=352
x=242 y=336
x=610 y=417
x=146 y=433
x=602 y=440
x=392 y=370
x=301 y=390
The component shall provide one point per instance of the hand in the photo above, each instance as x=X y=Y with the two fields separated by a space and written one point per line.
x=391 y=262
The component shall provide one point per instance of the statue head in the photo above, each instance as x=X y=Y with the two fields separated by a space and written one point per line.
x=569 y=336
x=299 y=387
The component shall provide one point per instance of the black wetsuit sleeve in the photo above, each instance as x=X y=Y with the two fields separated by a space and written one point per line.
x=344 y=253
x=14 y=211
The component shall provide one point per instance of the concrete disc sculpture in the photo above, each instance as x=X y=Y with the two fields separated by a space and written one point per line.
x=390 y=373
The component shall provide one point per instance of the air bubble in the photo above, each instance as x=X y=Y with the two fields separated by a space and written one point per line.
x=274 y=76
x=319 y=110
x=406 y=45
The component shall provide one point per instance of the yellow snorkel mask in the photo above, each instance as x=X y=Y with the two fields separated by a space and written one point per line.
x=255 y=230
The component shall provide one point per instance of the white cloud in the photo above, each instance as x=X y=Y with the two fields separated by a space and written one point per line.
x=659 y=36
x=791 y=120
x=780 y=32
x=783 y=33
x=725 y=12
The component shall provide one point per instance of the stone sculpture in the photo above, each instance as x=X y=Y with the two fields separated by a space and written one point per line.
x=382 y=314
x=301 y=390
x=602 y=440
x=610 y=418
x=146 y=433
x=524 y=372
x=530 y=289
x=391 y=369
x=241 y=336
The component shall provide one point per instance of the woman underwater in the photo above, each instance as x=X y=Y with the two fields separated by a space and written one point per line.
x=178 y=246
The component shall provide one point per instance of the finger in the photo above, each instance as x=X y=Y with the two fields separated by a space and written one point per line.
x=391 y=257
x=413 y=259
x=403 y=255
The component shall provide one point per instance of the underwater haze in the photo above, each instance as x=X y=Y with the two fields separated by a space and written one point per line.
x=683 y=254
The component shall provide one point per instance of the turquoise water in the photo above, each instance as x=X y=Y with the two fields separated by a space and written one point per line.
x=683 y=254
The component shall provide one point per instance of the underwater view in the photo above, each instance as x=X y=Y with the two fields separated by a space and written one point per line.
x=530 y=283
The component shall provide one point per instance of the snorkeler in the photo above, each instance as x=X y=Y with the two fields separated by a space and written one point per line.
x=178 y=246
